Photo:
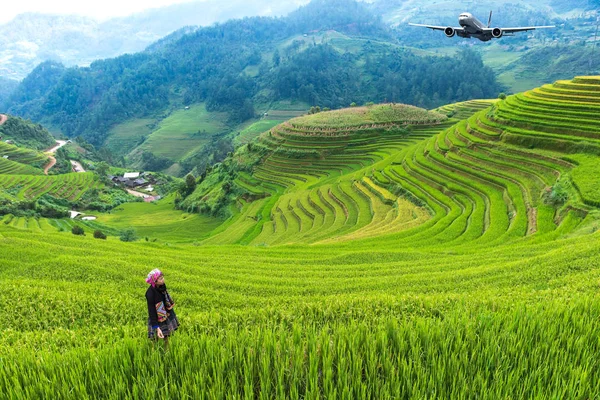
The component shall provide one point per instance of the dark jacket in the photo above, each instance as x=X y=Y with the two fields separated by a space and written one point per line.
x=157 y=310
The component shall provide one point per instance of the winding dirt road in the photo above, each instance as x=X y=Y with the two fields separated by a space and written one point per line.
x=52 y=150
x=59 y=144
x=50 y=165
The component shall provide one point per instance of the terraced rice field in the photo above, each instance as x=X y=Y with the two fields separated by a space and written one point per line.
x=468 y=181
x=20 y=160
x=8 y=167
x=68 y=186
x=396 y=261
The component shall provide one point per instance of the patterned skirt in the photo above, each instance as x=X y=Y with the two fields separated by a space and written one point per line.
x=167 y=327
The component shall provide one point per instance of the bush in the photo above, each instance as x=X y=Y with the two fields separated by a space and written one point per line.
x=77 y=230
x=502 y=96
x=558 y=194
x=128 y=235
x=99 y=234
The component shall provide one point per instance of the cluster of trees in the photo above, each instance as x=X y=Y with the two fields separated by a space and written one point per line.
x=574 y=60
x=127 y=235
x=46 y=207
x=26 y=133
x=320 y=75
x=209 y=66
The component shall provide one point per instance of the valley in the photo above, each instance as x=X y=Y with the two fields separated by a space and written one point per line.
x=456 y=246
x=342 y=206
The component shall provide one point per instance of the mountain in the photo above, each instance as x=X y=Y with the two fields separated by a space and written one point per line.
x=32 y=38
x=512 y=58
x=328 y=53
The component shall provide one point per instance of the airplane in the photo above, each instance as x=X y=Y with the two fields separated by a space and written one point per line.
x=472 y=27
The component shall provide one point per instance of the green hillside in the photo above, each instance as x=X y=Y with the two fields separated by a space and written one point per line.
x=375 y=252
x=69 y=186
x=21 y=160
x=25 y=133
x=328 y=54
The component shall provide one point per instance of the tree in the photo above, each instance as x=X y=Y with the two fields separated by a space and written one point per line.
x=188 y=186
x=128 y=235
x=99 y=234
x=77 y=230
x=276 y=58
x=502 y=96
x=102 y=168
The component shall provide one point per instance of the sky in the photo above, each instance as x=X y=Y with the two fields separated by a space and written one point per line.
x=99 y=10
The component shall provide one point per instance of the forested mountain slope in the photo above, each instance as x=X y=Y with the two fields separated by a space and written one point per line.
x=243 y=66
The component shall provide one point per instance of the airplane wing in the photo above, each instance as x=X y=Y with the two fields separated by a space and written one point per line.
x=520 y=29
x=438 y=28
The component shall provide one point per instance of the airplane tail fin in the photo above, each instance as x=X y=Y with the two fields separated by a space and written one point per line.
x=490 y=19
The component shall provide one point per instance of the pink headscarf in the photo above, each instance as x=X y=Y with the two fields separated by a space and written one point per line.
x=153 y=276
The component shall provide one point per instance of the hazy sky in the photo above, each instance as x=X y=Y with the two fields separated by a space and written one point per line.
x=97 y=9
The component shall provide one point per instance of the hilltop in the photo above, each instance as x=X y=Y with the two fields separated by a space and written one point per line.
x=25 y=133
x=373 y=252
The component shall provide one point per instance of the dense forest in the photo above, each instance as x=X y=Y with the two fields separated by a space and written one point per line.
x=7 y=87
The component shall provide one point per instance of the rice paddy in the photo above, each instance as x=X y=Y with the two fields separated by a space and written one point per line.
x=440 y=258
x=29 y=187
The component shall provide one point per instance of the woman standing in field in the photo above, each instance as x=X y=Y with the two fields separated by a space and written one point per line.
x=162 y=321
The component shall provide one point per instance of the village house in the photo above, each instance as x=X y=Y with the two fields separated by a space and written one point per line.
x=131 y=175
x=133 y=179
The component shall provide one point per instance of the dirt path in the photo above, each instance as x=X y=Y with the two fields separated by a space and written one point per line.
x=59 y=144
x=52 y=150
x=50 y=165
x=77 y=167
x=3 y=118
x=137 y=194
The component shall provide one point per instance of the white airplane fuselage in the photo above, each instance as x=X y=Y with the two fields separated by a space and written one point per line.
x=473 y=27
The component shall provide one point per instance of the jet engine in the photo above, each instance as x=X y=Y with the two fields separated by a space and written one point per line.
x=497 y=33
x=450 y=32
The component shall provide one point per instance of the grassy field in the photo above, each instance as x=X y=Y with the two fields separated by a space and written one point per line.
x=160 y=220
x=126 y=136
x=498 y=56
x=301 y=322
x=184 y=132
x=252 y=131
x=442 y=258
